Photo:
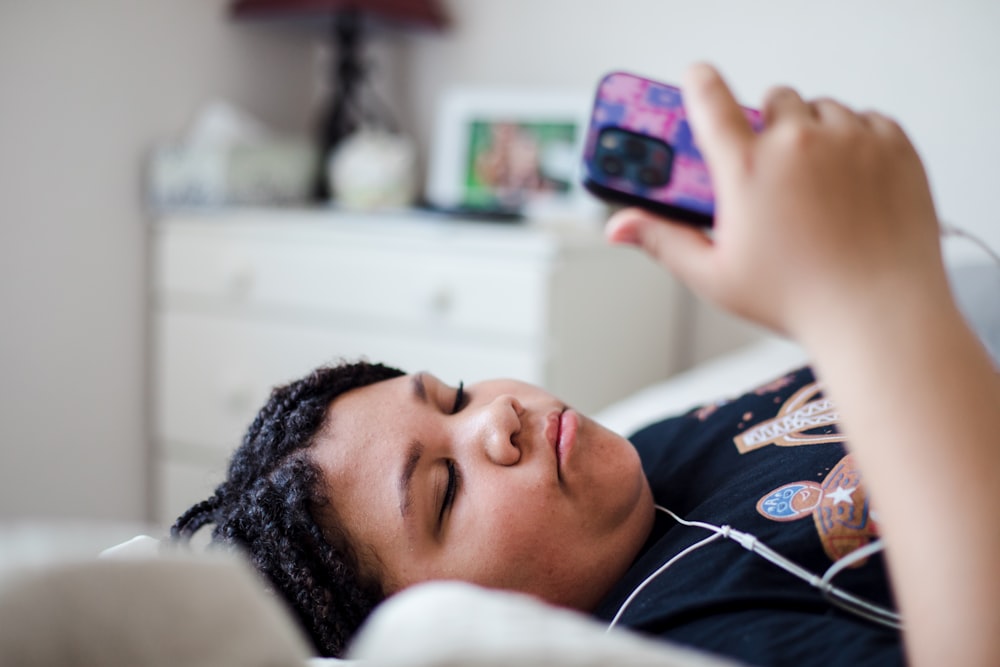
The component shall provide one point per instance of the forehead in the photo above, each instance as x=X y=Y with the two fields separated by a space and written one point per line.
x=359 y=450
x=362 y=422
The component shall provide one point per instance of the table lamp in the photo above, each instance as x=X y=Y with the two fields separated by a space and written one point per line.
x=346 y=22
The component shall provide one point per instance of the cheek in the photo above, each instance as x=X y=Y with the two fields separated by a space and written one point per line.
x=536 y=545
x=518 y=509
x=609 y=460
x=510 y=524
x=611 y=486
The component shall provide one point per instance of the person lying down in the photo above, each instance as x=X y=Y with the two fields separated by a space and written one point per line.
x=753 y=527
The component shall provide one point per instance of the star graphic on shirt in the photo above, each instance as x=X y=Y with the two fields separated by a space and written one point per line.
x=843 y=495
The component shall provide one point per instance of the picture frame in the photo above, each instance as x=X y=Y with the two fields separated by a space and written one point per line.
x=509 y=151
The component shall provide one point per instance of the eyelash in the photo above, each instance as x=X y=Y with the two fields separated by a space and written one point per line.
x=459 y=398
x=453 y=476
x=449 y=493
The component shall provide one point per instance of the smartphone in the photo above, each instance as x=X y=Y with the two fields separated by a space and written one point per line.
x=639 y=150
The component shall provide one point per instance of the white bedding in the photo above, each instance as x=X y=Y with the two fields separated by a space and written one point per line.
x=724 y=377
x=450 y=623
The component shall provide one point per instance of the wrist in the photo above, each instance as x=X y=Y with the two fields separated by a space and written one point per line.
x=868 y=307
x=888 y=327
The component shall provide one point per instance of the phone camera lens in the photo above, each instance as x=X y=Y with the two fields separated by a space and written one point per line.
x=652 y=176
x=612 y=165
x=635 y=149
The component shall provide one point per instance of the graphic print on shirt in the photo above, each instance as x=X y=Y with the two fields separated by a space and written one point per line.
x=839 y=506
x=806 y=418
x=778 y=384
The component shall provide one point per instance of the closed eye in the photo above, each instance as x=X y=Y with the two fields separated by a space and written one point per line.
x=449 y=492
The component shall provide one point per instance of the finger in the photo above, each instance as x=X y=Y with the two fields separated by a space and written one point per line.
x=784 y=103
x=684 y=250
x=720 y=128
x=835 y=113
x=882 y=124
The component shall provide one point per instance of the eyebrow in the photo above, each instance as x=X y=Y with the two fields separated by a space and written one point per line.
x=405 y=484
x=418 y=388
x=413 y=453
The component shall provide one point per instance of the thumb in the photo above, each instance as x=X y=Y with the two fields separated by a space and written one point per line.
x=684 y=250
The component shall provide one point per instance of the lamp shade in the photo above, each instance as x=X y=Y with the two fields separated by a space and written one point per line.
x=422 y=13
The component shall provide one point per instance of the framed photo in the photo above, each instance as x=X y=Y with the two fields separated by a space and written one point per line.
x=508 y=150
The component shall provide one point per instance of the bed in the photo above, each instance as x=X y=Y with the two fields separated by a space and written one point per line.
x=136 y=605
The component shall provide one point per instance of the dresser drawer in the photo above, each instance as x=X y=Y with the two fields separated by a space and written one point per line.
x=215 y=372
x=356 y=282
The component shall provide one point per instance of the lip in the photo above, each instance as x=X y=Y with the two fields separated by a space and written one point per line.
x=560 y=431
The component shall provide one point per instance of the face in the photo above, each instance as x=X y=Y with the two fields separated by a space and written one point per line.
x=500 y=485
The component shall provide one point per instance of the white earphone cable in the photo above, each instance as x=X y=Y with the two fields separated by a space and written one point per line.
x=661 y=569
x=950 y=230
x=837 y=596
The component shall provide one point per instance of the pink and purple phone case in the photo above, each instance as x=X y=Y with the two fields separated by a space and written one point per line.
x=629 y=108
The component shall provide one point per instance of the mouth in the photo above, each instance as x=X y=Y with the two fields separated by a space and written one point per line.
x=560 y=432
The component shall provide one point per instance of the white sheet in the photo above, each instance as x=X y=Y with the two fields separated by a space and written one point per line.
x=449 y=623
x=725 y=377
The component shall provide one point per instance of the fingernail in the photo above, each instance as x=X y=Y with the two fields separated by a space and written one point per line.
x=700 y=74
x=622 y=233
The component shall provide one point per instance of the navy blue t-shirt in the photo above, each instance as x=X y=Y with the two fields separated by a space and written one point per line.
x=771 y=463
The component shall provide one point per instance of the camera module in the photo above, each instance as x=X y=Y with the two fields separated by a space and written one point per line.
x=636 y=161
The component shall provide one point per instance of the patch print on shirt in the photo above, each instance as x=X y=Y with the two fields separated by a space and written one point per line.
x=806 y=418
x=839 y=506
x=704 y=412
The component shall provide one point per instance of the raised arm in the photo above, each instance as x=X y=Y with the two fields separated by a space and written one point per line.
x=826 y=231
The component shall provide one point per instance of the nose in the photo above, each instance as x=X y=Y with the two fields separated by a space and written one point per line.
x=496 y=426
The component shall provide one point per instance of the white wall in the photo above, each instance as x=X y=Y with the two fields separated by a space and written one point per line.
x=86 y=87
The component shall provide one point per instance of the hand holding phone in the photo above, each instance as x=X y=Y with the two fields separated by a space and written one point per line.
x=639 y=150
x=810 y=200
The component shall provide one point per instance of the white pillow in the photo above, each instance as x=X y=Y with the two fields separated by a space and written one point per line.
x=452 y=623
x=727 y=376
x=157 y=612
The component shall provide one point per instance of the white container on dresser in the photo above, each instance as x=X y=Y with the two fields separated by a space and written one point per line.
x=245 y=300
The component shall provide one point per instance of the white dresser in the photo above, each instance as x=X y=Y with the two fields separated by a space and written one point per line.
x=246 y=300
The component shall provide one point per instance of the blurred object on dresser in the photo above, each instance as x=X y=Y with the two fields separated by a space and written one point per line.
x=229 y=158
x=352 y=106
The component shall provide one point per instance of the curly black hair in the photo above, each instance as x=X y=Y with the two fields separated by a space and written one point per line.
x=269 y=504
